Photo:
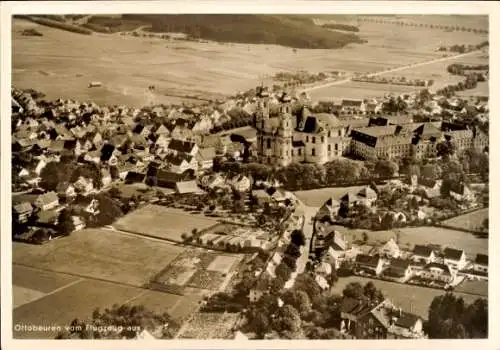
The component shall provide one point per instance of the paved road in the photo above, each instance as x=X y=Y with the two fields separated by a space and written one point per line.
x=343 y=81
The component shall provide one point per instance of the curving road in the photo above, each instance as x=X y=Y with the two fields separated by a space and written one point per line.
x=343 y=81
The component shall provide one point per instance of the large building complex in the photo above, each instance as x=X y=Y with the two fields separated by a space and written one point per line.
x=320 y=137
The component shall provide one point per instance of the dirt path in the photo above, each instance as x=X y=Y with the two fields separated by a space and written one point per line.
x=414 y=65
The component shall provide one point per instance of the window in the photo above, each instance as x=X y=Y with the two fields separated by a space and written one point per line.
x=292 y=152
x=329 y=133
x=314 y=140
x=336 y=147
x=329 y=148
x=340 y=132
x=300 y=151
x=313 y=152
x=307 y=138
x=322 y=139
x=268 y=143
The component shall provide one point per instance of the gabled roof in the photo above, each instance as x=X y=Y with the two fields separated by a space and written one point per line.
x=368 y=193
x=181 y=146
x=482 y=259
x=177 y=159
x=444 y=267
x=355 y=307
x=367 y=260
x=422 y=250
x=48 y=197
x=23 y=207
x=349 y=197
x=187 y=187
x=351 y=103
x=453 y=254
x=206 y=153
x=400 y=263
x=407 y=320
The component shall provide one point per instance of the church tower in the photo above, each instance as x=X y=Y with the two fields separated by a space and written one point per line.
x=285 y=132
x=264 y=138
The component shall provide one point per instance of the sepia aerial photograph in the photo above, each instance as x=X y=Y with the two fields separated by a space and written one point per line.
x=249 y=176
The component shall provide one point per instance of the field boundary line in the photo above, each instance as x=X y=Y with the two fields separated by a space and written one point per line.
x=81 y=276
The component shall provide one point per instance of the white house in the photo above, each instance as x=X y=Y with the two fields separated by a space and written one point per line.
x=390 y=249
x=455 y=258
x=241 y=183
x=423 y=254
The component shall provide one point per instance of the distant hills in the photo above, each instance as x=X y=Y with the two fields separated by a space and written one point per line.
x=292 y=31
x=296 y=31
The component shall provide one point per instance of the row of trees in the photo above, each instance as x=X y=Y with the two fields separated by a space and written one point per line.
x=426 y=25
x=451 y=318
x=297 y=176
x=121 y=322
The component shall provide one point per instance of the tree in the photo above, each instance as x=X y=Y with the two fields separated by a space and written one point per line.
x=293 y=250
x=353 y=290
x=298 y=238
x=299 y=300
x=287 y=319
x=260 y=324
x=431 y=171
x=65 y=225
x=445 y=149
x=283 y=271
x=372 y=293
x=449 y=317
x=385 y=168
x=290 y=261
x=365 y=237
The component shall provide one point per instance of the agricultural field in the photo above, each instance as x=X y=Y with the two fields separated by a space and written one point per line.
x=471 y=221
x=473 y=287
x=61 y=307
x=206 y=325
x=99 y=253
x=42 y=297
x=210 y=69
x=198 y=268
x=414 y=299
x=163 y=222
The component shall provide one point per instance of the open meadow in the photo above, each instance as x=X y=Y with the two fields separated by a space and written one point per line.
x=101 y=254
x=206 y=325
x=184 y=68
x=471 y=221
x=414 y=299
x=163 y=222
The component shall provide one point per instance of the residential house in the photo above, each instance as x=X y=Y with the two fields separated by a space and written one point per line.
x=461 y=192
x=123 y=168
x=162 y=142
x=203 y=125
x=367 y=196
x=329 y=210
x=212 y=181
x=390 y=249
x=84 y=185
x=424 y=254
x=481 y=263
x=438 y=272
x=189 y=186
x=134 y=177
x=455 y=258
x=396 y=323
x=354 y=106
x=368 y=264
x=241 y=183
x=178 y=146
x=47 y=201
x=162 y=131
x=105 y=177
x=78 y=223
x=398 y=268
x=22 y=212
x=40 y=165
x=66 y=189
x=358 y=321
x=179 y=163
x=93 y=157
x=205 y=158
